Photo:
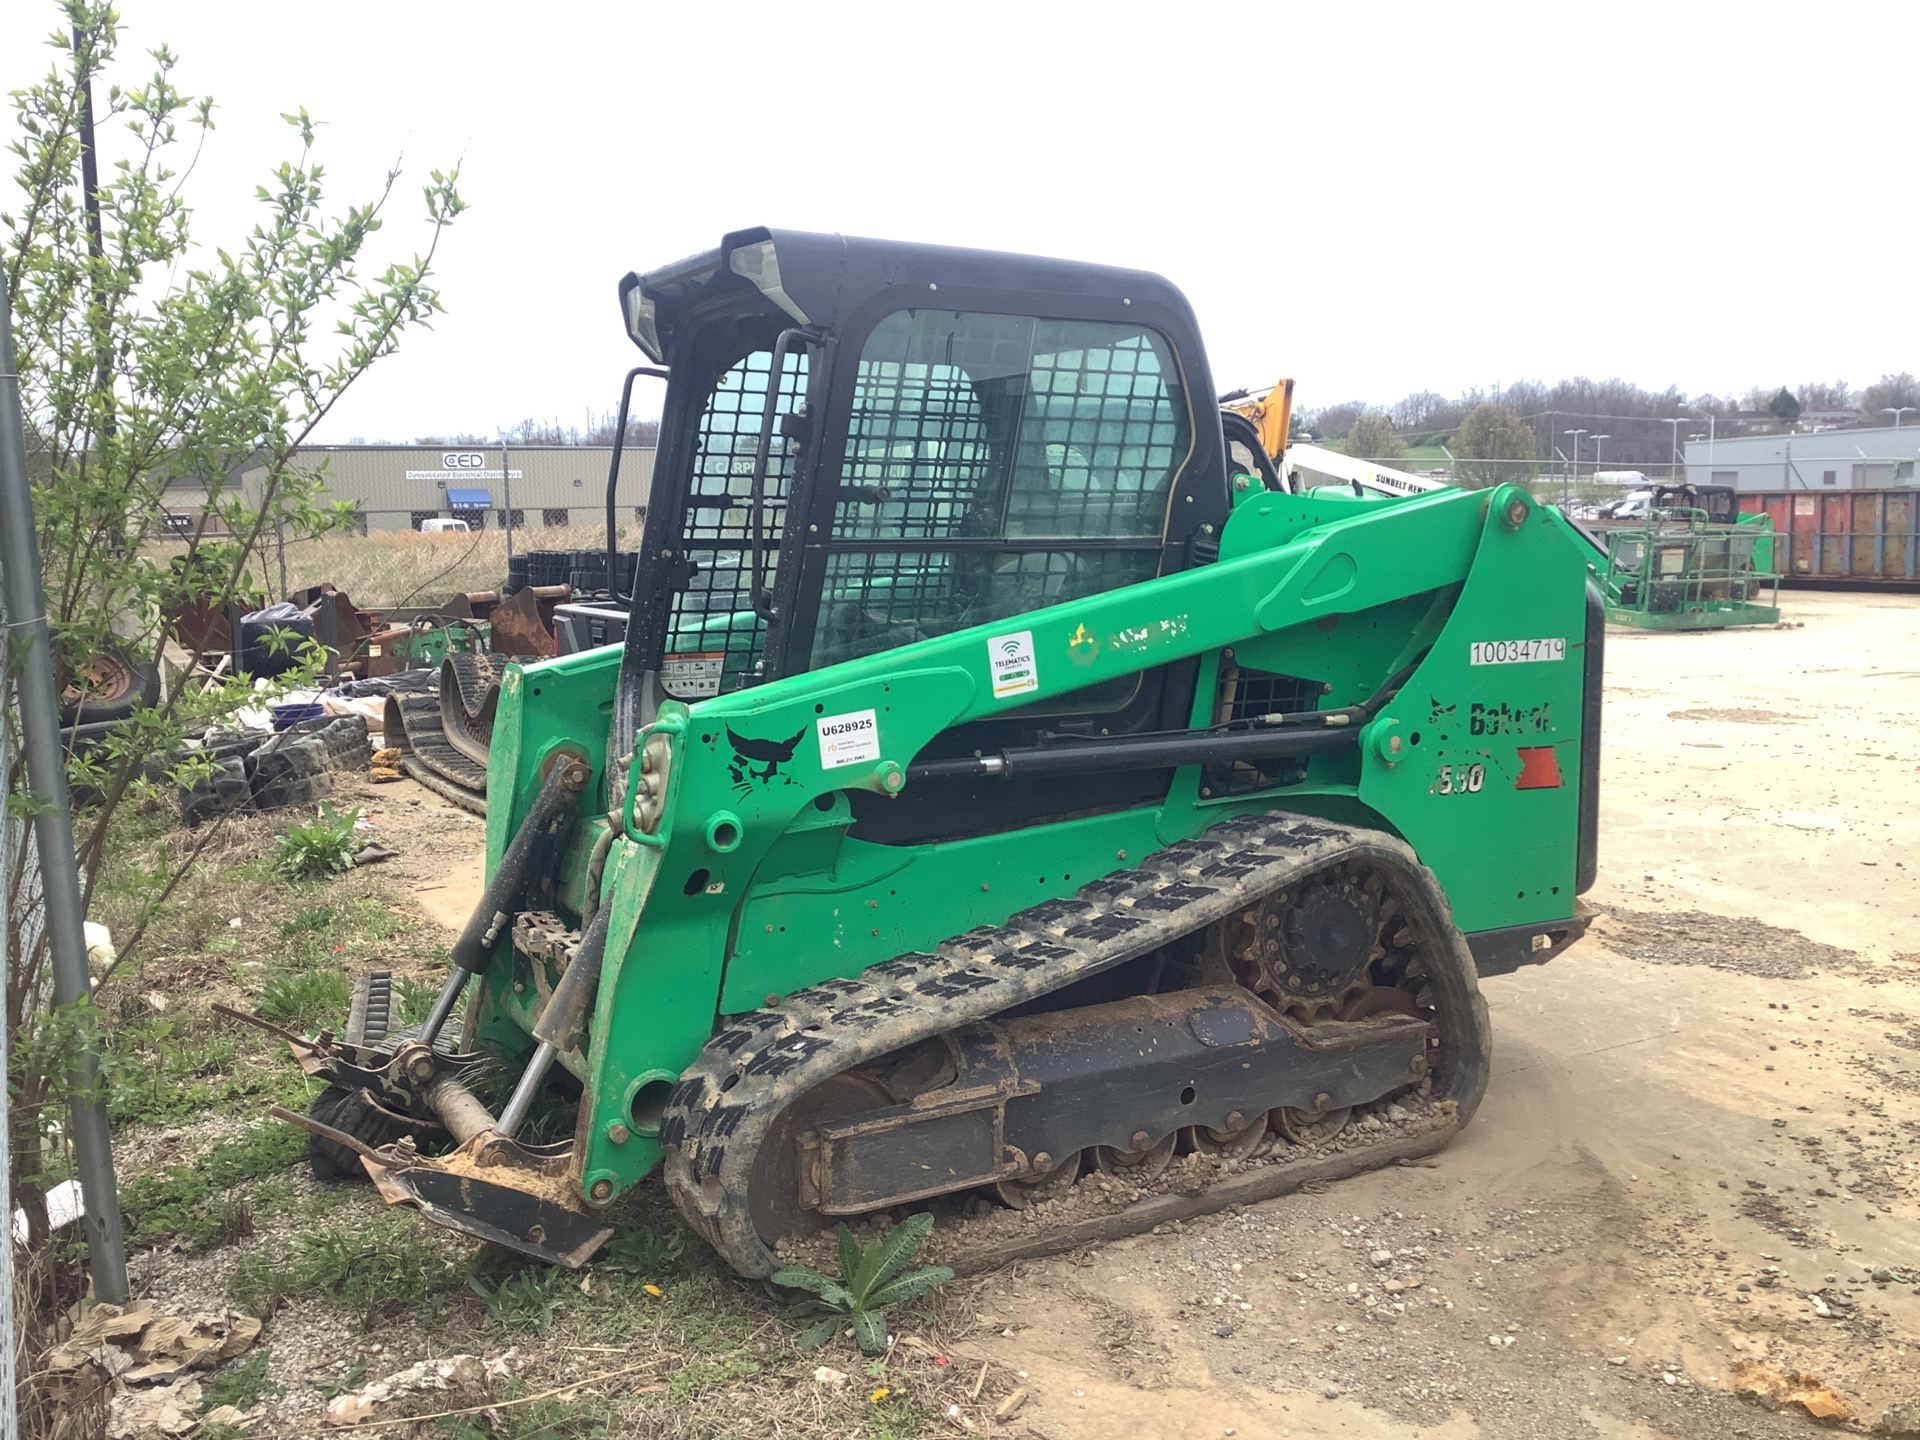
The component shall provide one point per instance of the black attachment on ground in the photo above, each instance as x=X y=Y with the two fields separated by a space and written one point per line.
x=500 y=1214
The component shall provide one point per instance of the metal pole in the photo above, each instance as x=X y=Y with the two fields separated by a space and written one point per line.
x=96 y=244
x=1673 y=454
x=506 y=481
x=26 y=605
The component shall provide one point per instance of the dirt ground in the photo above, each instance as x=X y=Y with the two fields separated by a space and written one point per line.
x=1701 y=1130
x=1698 y=1148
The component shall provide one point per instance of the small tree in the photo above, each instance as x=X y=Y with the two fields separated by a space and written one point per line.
x=1784 y=407
x=152 y=371
x=1492 y=445
x=1333 y=423
x=1372 y=438
x=1888 y=393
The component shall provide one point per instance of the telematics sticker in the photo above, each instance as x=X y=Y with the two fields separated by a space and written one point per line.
x=1010 y=661
x=1514 y=652
x=848 y=739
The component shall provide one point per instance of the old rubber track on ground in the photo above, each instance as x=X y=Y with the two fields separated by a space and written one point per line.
x=753 y=1069
x=414 y=727
x=469 y=698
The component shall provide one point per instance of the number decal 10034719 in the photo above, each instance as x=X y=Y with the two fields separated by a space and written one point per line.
x=1515 y=652
x=1460 y=779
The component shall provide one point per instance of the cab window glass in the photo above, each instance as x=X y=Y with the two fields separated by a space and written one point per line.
x=983 y=451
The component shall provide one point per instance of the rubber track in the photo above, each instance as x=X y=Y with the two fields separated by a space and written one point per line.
x=469 y=696
x=414 y=727
x=724 y=1104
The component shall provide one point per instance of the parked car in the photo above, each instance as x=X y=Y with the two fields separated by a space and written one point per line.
x=1628 y=507
x=443 y=526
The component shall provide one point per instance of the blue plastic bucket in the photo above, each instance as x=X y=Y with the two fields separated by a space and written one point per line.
x=285 y=717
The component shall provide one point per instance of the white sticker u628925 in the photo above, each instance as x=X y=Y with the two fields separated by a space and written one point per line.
x=1010 y=661
x=848 y=739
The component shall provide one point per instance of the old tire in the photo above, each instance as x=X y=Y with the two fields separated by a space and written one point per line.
x=106 y=686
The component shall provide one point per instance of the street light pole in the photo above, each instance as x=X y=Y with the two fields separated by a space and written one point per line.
x=1576 y=434
x=1673 y=425
x=506 y=485
x=1896 y=411
x=1596 y=451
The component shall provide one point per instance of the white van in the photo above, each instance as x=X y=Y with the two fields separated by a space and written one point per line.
x=444 y=526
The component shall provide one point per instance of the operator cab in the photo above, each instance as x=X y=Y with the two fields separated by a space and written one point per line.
x=866 y=443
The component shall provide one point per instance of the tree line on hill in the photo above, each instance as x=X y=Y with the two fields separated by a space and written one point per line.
x=599 y=430
x=1513 y=432
x=1510 y=433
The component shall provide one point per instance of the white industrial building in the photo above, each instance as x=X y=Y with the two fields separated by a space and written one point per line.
x=1877 y=459
x=396 y=487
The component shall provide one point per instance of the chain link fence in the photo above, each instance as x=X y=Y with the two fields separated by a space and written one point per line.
x=387 y=562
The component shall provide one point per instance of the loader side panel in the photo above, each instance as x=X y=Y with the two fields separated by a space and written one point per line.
x=1479 y=762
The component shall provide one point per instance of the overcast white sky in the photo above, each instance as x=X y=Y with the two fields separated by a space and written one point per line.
x=1374 y=198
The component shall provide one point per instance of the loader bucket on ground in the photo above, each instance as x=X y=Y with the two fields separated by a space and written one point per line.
x=516 y=1206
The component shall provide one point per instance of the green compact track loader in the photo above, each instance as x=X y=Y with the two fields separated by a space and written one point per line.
x=1004 y=781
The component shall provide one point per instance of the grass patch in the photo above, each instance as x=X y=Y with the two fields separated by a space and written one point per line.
x=388 y=1264
x=525 y=1299
x=590 y=1418
x=191 y=1205
x=171 y=1069
x=304 y=999
x=241 y=1385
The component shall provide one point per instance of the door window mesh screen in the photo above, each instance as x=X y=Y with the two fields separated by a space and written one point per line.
x=1009 y=426
x=973 y=427
x=714 y=615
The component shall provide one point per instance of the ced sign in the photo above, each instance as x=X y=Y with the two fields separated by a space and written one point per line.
x=462 y=460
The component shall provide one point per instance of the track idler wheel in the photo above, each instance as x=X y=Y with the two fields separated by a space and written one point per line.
x=1028 y=1190
x=1238 y=1142
x=1311 y=1127
x=775 y=1194
x=1142 y=1163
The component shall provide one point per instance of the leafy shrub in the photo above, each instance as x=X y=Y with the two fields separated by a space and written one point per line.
x=324 y=846
x=870 y=1281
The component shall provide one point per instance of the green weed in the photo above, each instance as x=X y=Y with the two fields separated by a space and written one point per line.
x=649 y=1252
x=588 y=1417
x=704 y=1372
x=352 y=1378
x=189 y=1205
x=306 y=998
x=870 y=1281
x=320 y=920
x=323 y=846
x=242 y=1386
x=527 y=1299
x=385 y=1265
x=413 y=999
